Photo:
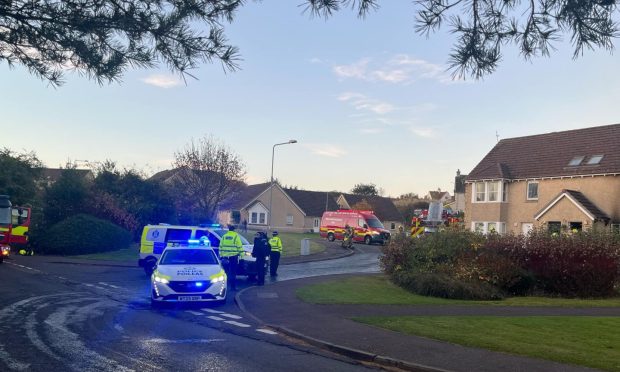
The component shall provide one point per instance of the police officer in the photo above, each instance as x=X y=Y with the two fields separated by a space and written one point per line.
x=276 y=250
x=261 y=250
x=231 y=248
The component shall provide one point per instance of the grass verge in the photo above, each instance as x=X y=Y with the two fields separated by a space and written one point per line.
x=586 y=341
x=122 y=255
x=291 y=242
x=378 y=290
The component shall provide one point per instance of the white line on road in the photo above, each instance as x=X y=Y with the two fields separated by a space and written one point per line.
x=231 y=316
x=119 y=327
x=186 y=341
x=88 y=285
x=98 y=287
x=267 y=331
x=194 y=312
x=212 y=311
x=215 y=317
x=243 y=325
x=109 y=285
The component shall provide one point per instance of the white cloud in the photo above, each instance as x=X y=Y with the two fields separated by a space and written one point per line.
x=163 y=81
x=326 y=149
x=371 y=130
x=399 y=69
x=316 y=60
x=361 y=102
x=423 y=132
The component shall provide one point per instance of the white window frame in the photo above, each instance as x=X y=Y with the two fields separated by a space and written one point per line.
x=527 y=190
x=262 y=218
x=500 y=193
x=289 y=219
x=254 y=218
x=500 y=227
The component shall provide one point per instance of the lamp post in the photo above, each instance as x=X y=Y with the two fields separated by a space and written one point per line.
x=273 y=151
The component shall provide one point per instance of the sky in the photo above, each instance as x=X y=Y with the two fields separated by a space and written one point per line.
x=369 y=101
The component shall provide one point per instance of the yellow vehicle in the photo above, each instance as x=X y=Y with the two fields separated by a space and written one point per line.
x=156 y=238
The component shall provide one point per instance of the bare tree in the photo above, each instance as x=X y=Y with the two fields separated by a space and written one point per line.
x=207 y=174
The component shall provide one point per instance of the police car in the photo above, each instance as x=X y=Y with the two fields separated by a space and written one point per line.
x=156 y=238
x=190 y=273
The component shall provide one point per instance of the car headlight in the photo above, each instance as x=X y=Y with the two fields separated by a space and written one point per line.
x=160 y=279
x=248 y=254
x=219 y=278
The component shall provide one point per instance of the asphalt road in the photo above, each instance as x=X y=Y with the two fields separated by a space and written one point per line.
x=57 y=316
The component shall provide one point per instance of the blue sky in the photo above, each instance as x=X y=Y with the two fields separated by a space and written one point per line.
x=368 y=101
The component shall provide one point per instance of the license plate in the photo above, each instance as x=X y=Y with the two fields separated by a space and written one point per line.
x=190 y=298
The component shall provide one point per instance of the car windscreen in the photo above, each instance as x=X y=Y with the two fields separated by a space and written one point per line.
x=374 y=222
x=5 y=216
x=221 y=233
x=178 y=234
x=188 y=257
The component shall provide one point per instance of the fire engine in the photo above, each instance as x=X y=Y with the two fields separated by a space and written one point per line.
x=5 y=226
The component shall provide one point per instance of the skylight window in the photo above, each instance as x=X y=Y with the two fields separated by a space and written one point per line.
x=576 y=161
x=595 y=159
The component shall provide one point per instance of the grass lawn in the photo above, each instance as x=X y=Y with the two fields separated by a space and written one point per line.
x=377 y=289
x=587 y=341
x=291 y=242
x=126 y=255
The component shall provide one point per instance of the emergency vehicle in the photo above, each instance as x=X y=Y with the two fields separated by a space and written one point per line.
x=5 y=226
x=156 y=238
x=20 y=224
x=367 y=227
x=188 y=273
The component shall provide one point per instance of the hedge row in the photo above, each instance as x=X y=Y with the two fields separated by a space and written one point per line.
x=83 y=234
x=586 y=264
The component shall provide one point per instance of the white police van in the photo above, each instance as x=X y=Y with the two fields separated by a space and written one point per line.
x=190 y=273
x=156 y=238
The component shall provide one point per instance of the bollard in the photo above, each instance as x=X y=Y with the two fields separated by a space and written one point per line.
x=305 y=247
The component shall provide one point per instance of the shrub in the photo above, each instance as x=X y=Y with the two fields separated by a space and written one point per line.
x=445 y=286
x=82 y=234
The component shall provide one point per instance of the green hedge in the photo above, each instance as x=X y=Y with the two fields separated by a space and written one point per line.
x=82 y=234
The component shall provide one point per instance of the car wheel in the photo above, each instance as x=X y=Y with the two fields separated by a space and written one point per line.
x=331 y=237
x=149 y=266
x=368 y=240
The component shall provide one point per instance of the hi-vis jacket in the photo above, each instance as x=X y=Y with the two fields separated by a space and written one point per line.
x=276 y=244
x=231 y=245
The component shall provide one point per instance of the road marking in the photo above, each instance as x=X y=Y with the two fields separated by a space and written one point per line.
x=119 y=328
x=88 y=285
x=186 y=341
x=243 y=325
x=102 y=288
x=267 y=331
x=109 y=285
x=215 y=317
x=231 y=316
x=212 y=311
x=194 y=312
x=62 y=277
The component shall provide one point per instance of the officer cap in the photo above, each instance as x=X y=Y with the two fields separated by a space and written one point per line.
x=274 y=233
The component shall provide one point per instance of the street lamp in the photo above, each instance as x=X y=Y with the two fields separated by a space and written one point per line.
x=273 y=151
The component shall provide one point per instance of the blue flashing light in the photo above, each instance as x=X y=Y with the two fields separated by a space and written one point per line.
x=199 y=284
x=193 y=241
x=210 y=225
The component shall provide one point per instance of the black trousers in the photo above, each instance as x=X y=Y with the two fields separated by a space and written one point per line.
x=231 y=271
x=260 y=270
x=274 y=262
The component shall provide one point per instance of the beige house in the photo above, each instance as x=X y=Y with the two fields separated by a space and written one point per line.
x=563 y=180
x=300 y=210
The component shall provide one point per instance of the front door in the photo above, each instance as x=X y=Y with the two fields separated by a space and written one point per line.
x=317 y=225
x=526 y=228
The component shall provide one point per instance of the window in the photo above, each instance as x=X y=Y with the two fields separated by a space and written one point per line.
x=492 y=227
x=554 y=227
x=257 y=218
x=489 y=227
x=261 y=218
x=532 y=191
x=254 y=218
x=576 y=226
x=289 y=219
x=594 y=159
x=393 y=226
x=493 y=191
x=480 y=191
x=479 y=227
x=575 y=161
x=505 y=192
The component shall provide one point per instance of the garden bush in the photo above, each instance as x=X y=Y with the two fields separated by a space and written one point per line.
x=82 y=234
x=463 y=264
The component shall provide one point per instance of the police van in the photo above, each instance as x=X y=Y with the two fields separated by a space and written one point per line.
x=156 y=238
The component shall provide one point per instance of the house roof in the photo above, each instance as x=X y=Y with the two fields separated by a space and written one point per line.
x=313 y=203
x=548 y=155
x=580 y=200
x=247 y=194
x=384 y=208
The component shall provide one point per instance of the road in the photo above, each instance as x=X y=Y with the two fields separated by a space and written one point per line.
x=56 y=315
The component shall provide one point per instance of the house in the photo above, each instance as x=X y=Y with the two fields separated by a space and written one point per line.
x=459 y=192
x=560 y=180
x=300 y=210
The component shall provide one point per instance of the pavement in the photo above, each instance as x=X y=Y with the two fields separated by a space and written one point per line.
x=330 y=327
